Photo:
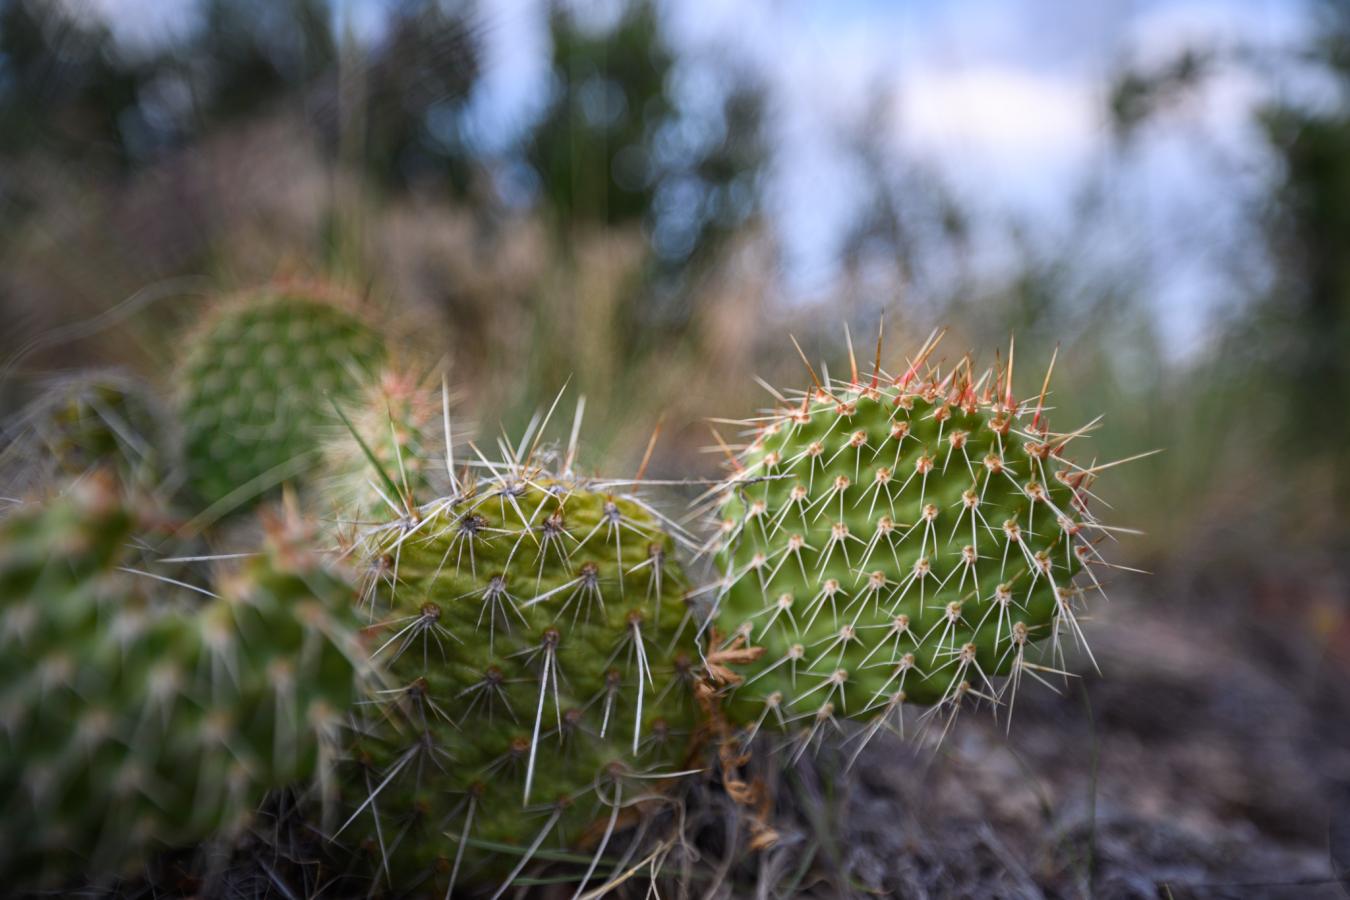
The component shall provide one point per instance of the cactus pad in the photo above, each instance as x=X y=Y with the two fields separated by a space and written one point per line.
x=87 y=421
x=402 y=432
x=900 y=540
x=543 y=650
x=133 y=717
x=255 y=383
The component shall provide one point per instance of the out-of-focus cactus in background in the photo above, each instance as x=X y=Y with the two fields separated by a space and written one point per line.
x=255 y=385
x=87 y=421
x=141 y=712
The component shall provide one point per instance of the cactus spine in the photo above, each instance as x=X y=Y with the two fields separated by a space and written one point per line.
x=900 y=540
x=253 y=387
x=133 y=717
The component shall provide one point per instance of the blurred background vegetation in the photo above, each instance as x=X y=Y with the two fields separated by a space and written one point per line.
x=620 y=233
x=624 y=226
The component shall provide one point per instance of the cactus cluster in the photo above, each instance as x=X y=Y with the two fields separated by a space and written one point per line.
x=134 y=717
x=900 y=540
x=536 y=628
x=253 y=385
x=534 y=670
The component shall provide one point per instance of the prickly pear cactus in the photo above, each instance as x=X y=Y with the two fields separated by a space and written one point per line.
x=396 y=424
x=255 y=387
x=900 y=540
x=133 y=718
x=544 y=654
x=87 y=421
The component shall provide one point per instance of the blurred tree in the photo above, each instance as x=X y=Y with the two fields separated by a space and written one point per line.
x=417 y=80
x=69 y=89
x=247 y=53
x=646 y=163
x=620 y=145
x=1286 y=353
x=60 y=88
x=911 y=233
x=1306 y=320
x=1138 y=95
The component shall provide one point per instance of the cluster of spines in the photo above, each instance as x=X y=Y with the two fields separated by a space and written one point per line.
x=538 y=633
x=839 y=560
x=136 y=714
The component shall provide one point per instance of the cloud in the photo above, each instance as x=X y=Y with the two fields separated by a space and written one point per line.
x=1005 y=136
x=140 y=24
x=996 y=111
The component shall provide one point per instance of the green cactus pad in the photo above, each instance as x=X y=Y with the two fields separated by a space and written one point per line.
x=402 y=431
x=892 y=541
x=544 y=651
x=87 y=421
x=134 y=718
x=255 y=386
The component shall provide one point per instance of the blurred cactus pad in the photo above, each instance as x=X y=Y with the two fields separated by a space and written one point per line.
x=402 y=432
x=544 y=656
x=902 y=539
x=89 y=420
x=141 y=713
x=254 y=383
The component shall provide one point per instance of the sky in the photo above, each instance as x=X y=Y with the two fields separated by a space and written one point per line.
x=1003 y=101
